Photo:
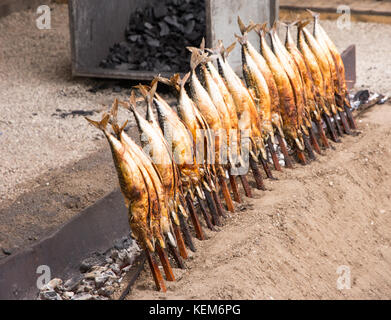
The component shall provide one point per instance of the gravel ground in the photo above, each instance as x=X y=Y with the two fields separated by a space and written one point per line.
x=40 y=135
x=37 y=94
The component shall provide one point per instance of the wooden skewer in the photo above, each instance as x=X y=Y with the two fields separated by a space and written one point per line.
x=314 y=141
x=329 y=125
x=308 y=147
x=212 y=208
x=219 y=206
x=186 y=233
x=180 y=242
x=176 y=256
x=273 y=152
x=194 y=218
x=345 y=124
x=301 y=156
x=205 y=213
x=338 y=126
x=226 y=194
x=235 y=189
x=257 y=175
x=246 y=186
x=156 y=274
x=266 y=168
x=165 y=263
x=349 y=114
x=284 y=150
x=322 y=135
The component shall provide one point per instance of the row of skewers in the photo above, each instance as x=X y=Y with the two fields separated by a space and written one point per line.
x=294 y=99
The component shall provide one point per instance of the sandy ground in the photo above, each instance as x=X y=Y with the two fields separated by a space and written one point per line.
x=290 y=240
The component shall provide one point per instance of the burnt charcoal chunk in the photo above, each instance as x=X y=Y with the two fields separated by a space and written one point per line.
x=160 y=10
x=190 y=27
x=157 y=37
x=164 y=29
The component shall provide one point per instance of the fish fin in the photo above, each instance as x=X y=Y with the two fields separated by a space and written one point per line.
x=302 y=23
x=184 y=79
x=242 y=26
x=241 y=39
x=314 y=14
x=196 y=58
x=230 y=48
x=100 y=124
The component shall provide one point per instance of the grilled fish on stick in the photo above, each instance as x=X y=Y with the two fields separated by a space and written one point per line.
x=341 y=91
x=287 y=99
x=320 y=74
x=311 y=107
x=133 y=187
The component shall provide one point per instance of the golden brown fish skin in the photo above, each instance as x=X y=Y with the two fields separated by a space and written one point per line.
x=323 y=63
x=272 y=86
x=160 y=221
x=180 y=140
x=245 y=107
x=158 y=158
x=340 y=68
x=258 y=84
x=205 y=105
x=287 y=99
x=291 y=70
x=234 y=134
x=311 y=105
x=314 y=70
x=133 y=187
x=335 y=76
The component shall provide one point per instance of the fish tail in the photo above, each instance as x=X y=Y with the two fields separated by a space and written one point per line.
x=302 y=23
x=100 y=124
x=196 y=58
x=314 y=14
x=241 y=39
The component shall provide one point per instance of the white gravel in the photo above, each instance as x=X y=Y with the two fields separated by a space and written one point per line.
x=35 y=80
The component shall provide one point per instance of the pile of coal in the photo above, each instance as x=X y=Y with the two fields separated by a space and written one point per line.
x=100 y=275
x=157 y=37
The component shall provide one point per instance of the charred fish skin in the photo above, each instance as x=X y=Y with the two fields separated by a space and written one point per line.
x=294 y=76
x=249 y=122
x=314 y=70
x=287 y=100
x=257 y=83
x=323 y=63
x=342 y=94
x=311 y=105
x=268 y=76
x=133 y=187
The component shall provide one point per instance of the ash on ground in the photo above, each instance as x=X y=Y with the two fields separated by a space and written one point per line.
x=157 y=37
x=100 y=275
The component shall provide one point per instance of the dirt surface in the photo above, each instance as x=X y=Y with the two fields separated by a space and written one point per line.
x=290 y=240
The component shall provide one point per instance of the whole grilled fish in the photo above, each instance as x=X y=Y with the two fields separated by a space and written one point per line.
x=249 y=122
x=133 y=187
x=267 y=74
x=291 y=70
x=287 y=98
x=311 y=105
x=180 y=140
x=314 y=69
x=324 y=65
x=340 y=68
x=258 y=85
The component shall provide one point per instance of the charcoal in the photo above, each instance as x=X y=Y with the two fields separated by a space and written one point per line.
x=156 y=37
x=190 y=27
x=160 y=10
x=164 y=29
